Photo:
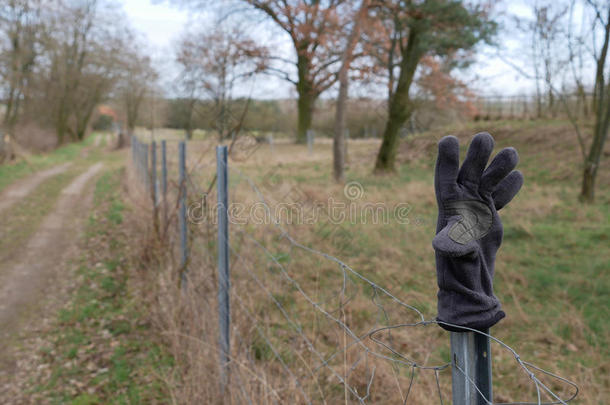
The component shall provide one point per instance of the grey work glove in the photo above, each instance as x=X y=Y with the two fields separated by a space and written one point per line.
x=469 y=230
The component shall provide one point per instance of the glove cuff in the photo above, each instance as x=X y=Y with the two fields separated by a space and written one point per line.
x=476 y=325
x=475 y=311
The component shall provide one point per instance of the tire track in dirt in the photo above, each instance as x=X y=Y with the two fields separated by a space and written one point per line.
x=16 y=192
x=25 y=283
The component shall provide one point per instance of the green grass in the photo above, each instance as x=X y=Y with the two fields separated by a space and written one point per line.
x=12 y=172
x=22 y=220
x=100 y=339
x=566 y=263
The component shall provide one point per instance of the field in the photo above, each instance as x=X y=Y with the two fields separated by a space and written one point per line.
x=329 y=283
x=292 y=307
x=179 y=222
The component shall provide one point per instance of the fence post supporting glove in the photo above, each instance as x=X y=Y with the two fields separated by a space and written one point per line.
x=469 y=230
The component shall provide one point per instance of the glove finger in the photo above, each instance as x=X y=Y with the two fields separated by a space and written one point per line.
x=476 y=159
x=501 y=165
x=447 y=165
x=507 y=189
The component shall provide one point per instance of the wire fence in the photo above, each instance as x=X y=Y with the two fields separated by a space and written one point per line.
x=294 y=321
x=531 y=106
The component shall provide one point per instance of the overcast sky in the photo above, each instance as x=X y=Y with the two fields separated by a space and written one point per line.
x=162 y=23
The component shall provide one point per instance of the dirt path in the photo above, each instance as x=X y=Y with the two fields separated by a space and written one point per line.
x=19 y=190
x=26 y=283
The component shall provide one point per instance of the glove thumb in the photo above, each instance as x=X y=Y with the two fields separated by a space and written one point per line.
x=447 y=245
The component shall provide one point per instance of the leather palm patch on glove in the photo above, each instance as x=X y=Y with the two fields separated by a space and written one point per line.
x=469 y=230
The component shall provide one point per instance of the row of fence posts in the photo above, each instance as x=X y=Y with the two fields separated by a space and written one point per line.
x=471 y=355
x=147 y=176
x=311 y=137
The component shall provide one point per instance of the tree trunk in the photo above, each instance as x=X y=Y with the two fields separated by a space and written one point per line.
x=386 y=158
x=552 y=103
x=339 y=144
x=6 y=147
x=9 y=106
x=339 y=136
x=587 y=193
x=189 y=124
x=400 y=106
x=305 y=106
x=581 y=101
x=82 y=123
x=602 y=122
x=61 y=127
x=189 y=119
x=124 y=139
x=307 y=99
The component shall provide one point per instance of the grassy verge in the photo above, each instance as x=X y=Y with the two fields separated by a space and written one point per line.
x=22 y=220
x=15 y=171
x=102 y=350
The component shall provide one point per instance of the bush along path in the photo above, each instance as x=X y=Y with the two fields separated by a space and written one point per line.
x=99 y=347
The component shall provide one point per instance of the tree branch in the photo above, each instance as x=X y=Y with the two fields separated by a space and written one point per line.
x=564 y=102
x=279 y=73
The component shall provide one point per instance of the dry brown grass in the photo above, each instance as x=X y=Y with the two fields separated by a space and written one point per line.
x=398 y=256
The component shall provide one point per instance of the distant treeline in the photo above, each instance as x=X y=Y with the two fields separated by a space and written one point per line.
x=365 y=117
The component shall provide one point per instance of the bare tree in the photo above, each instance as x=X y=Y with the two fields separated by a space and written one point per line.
x=84 y=45
x=314 y=27
x=60 y=59
x=548 y=32
x=577 y=57
x=212 y=63
x=601 y=95
x=577 y=46
x=346 y=60
x=19 y=30
x=136 y=79
x=191 y=91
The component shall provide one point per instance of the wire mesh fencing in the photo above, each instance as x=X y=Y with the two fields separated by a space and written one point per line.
x=278 y=315
x=532 y=107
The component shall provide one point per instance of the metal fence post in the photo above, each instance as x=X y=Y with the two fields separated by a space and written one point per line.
x=145 y=167
x=183 y=247
x=135 y=156
x=140 y=160
x=164 y=169
x=140 y=153
x=224 y=314
x=471 y=368
x=153 y=174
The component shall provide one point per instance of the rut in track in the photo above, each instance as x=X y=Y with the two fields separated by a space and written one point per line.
x=16 y=192
x=29 y=280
